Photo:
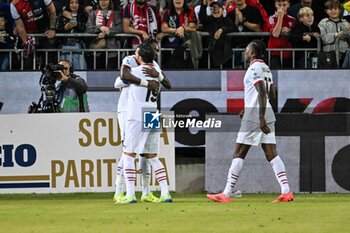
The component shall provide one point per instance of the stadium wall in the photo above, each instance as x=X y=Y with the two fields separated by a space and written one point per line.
x=198 y=93
x=314 y=147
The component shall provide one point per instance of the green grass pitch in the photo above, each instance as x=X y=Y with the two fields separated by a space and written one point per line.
x=94 y=212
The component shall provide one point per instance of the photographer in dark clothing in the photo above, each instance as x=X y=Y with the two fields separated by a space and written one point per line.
x=71 y=92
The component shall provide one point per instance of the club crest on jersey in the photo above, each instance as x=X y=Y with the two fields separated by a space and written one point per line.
x=151 y=120
x=256 y=76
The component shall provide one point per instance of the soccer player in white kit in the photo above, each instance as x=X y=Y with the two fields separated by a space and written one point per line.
x=258 y=124
x=123 y=105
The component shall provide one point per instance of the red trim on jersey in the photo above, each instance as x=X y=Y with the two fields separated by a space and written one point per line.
x=127 y=65
x=256 y=60
x=257 y=81
x=148 y=64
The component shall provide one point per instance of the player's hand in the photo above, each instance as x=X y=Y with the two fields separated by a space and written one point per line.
x=153 y=86
x=150 y=72
x=264 y=127
x=241 y=113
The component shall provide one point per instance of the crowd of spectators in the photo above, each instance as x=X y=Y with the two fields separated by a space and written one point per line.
x=176 y=24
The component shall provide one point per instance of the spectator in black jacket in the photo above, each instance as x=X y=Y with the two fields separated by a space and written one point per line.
x=217 y=26
x=304 y=35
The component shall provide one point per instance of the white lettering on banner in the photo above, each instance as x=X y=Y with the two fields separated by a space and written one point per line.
x=72 y=153
x=209 y=123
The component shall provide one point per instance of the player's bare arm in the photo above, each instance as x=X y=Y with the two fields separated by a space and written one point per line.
x=262 y=98
x=153 y=73
x=126 y=76
x=272 y=92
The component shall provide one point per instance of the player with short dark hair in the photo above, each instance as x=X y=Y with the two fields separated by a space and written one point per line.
x=138 y=141
x=258 y=124
x=128 y=63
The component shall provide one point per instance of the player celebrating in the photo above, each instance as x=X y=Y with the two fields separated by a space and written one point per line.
x=138 y=141
x=257 y=125
x=144 y=168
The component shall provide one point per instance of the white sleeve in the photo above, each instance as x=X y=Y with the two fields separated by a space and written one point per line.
x=14 y=12
x=126 y=62
x=47 y=2
x=119 y=83
x=255 y=75
x=156 y=66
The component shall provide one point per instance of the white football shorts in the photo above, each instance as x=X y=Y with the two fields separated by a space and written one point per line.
x=140 y=141
x=251 y=134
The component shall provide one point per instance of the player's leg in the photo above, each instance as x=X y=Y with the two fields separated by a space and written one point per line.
x=279 y=170
x=119 y=181
x=130 y=147
x=161 y=175
x=151 y=148
x=145 y=171
x=129 y=177
x=241 y=150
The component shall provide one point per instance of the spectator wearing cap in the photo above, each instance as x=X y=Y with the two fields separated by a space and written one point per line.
x=247 y=19
x=208 y=10
x=218 y=25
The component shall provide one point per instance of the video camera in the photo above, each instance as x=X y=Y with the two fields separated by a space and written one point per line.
x=49 y=74
x=47 y=102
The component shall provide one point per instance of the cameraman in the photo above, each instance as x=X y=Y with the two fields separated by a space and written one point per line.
x=71 y=92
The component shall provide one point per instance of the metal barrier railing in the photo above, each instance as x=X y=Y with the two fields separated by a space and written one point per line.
x=121 y=52
x=256 y=35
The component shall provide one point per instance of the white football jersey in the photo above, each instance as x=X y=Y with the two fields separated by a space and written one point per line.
x=258 y=71
x=140 y=97
x=131 y=62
